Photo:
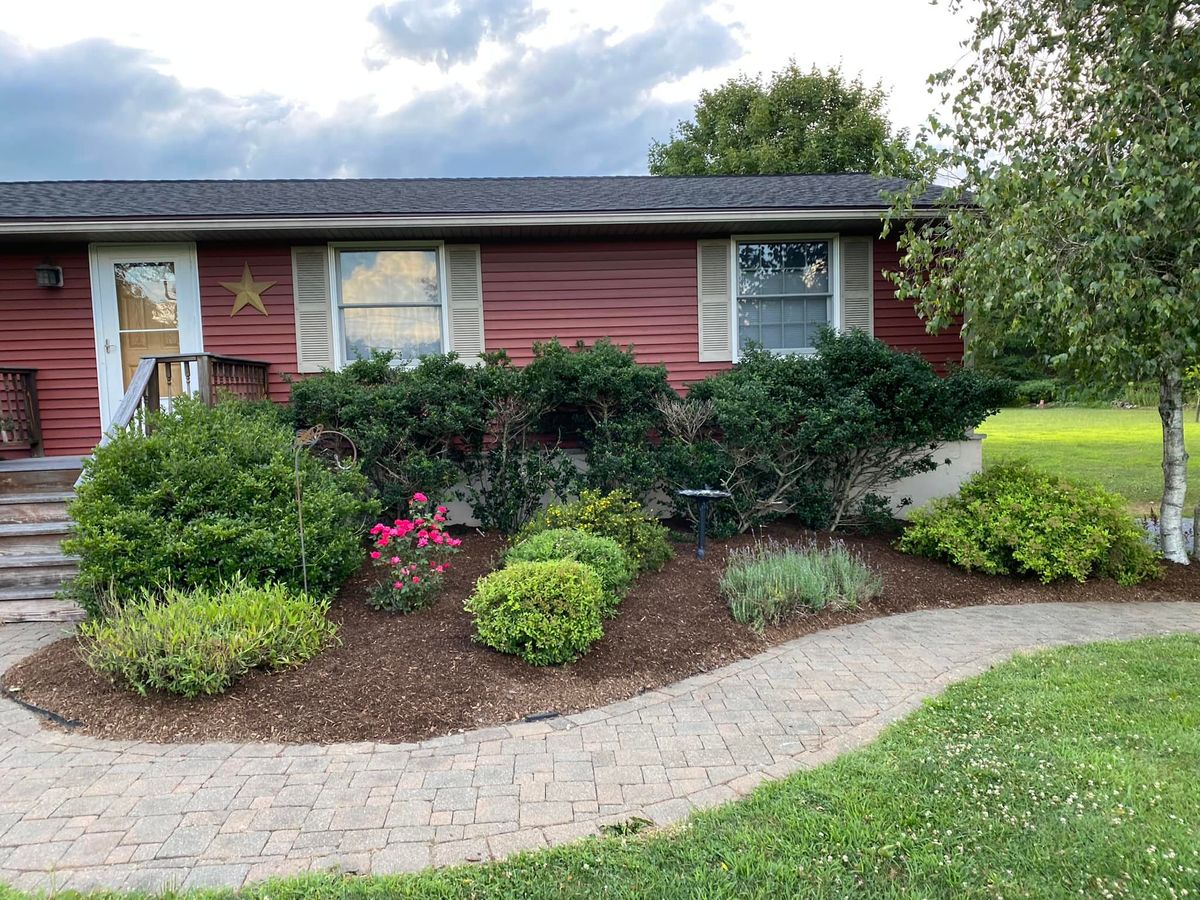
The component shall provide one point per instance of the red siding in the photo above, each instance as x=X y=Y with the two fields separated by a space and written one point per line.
x=250 y=334
x=50 y=329
x=634 y=292
x=897 y=324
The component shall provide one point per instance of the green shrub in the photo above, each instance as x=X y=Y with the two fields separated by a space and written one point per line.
x=208 y=494
x=603 y=554
x=820 y=436
x=1030 y=393
x=414 y=426
x=199 y=642
x=769 y=581
x=543 y=612
x=614 y=515
x=603 y=400
x=1015 y=519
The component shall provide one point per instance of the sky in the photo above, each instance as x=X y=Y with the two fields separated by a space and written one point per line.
x=410 y=88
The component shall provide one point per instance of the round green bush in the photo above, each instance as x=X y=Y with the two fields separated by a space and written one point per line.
x=614 y=515
x=208 y=495
x=602 y=554
x=1016 y=519
x=544 y=612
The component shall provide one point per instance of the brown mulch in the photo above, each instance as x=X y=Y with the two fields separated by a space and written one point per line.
x=398 y=678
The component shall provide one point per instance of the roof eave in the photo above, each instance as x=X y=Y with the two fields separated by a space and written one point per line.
x=93 y=226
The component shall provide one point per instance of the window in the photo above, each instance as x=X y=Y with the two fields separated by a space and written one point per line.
x=784 y=294
x=389 y=300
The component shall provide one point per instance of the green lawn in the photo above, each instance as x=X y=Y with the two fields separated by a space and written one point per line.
x=1063 y=773
x=1120 y=448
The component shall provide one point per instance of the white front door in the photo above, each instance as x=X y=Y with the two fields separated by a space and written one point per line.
x=146 y=301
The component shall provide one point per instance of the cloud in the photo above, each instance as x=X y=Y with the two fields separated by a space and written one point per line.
x=450 y=31
x=96 y=109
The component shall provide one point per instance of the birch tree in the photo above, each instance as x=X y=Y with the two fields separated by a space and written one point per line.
x=1073 y=132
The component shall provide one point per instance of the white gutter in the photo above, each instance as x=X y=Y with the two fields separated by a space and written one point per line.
x=263 y=223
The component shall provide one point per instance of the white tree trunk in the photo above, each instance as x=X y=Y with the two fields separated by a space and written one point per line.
x=1175 y=457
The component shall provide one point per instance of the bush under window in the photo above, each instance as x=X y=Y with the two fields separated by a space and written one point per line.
x=818 y=436
x=601 y=398
x=603 y=554
x=615 y=515
x=544 y=612
x=199 y=642
x=208 y=495
x=1015 y=519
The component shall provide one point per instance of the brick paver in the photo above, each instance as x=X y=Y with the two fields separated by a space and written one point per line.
x=78 y=812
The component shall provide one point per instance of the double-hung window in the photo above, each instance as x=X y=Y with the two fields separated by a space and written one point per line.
x=785 y=293
x=389 y=299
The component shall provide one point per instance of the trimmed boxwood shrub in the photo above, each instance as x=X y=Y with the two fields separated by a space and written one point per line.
x=603 y=554
x=208 y=495
x=199 y=642
x=1015 y=519
x=544 y=612
x=615 y=515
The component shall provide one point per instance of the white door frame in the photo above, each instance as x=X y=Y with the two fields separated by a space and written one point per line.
x=101 y=258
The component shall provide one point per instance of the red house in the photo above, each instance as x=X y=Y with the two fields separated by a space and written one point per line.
x=238 y=283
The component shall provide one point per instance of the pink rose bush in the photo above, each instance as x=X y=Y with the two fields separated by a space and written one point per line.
x=414 y=555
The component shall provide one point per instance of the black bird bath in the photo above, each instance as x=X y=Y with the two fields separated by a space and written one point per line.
x=703 y=497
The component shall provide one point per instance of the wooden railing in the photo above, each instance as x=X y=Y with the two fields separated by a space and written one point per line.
x=20 y=424
x=160 y=378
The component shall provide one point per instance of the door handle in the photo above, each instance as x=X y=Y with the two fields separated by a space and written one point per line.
x=108 y=346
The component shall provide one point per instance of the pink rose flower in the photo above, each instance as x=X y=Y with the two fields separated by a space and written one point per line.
x=416 y=579
x=418 y=497
x=398 y=585
x=395 y=560
x=441 y=510
x=375 y=554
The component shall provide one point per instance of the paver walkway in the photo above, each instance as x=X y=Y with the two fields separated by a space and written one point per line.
x=78 y=812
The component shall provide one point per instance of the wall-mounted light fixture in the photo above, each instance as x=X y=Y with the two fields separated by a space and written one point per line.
x=48 y=275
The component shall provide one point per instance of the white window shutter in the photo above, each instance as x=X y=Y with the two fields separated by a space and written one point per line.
x=858 y=296
x=314 y=312
x=715 y=297
x=465 y=291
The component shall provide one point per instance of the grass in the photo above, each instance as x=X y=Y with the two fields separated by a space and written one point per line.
x=1067 y=772
x=1120 y=448
x=769 y=581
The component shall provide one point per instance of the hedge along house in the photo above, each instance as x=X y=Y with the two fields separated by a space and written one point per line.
x=116 y=295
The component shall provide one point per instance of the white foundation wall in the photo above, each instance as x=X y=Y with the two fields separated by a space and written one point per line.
x=957 y=461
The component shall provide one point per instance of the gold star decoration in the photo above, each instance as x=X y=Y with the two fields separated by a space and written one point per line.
x=247 y=292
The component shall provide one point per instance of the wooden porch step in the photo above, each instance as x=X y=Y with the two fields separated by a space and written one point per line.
x=36 y=606
x=43 y=506
x=23 y=538
x=49 y=473
x=36 y=570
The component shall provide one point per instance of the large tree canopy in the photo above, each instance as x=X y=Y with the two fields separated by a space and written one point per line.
x=797 y=122
x=1074 y=130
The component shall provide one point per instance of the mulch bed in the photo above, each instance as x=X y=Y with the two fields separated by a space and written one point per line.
x=398 y=678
